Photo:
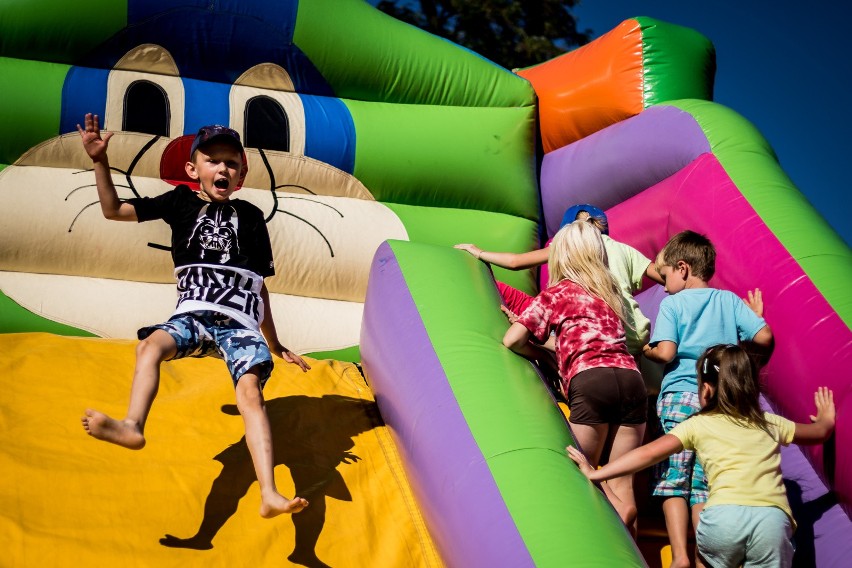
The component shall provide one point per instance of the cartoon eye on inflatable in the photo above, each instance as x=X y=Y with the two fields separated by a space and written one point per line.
x=145 y=93
x=265 y=108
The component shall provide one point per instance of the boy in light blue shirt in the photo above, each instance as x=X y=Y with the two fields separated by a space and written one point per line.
x=692 y=318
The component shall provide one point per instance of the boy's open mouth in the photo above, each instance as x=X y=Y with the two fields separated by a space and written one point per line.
x=221 y=183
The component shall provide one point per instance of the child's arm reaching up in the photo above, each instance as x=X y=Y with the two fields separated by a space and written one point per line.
x=267 y=327
x=754 y=300
x=822 y=425
x=96 y=147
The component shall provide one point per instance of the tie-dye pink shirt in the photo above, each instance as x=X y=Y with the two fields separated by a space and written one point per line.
x=588 y=332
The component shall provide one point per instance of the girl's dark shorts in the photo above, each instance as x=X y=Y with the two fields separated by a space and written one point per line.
x=607 y=395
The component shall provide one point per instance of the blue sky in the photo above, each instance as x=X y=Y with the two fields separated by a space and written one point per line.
x=782 y=65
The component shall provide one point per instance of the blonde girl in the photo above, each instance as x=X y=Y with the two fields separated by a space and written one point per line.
x=747 y=520
x=628 y=266
x=582 y=306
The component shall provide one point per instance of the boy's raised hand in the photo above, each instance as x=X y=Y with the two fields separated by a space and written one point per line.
x=755 y=301
x=94 y=144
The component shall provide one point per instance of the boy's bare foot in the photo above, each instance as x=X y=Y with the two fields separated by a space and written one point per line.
x=120 y=432
x=277 y=504
x=680 y=562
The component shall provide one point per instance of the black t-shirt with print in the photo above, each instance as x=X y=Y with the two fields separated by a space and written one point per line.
x=221 y=251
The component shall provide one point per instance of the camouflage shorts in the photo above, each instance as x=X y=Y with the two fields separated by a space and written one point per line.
x=210 y=334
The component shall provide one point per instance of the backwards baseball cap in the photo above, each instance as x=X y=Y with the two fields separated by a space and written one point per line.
x=216 y=133
x=572 y=212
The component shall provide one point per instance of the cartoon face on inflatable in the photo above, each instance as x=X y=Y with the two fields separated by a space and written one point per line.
x=343 y=153
x=323 y=222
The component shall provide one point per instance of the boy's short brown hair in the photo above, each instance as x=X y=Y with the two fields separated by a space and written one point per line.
x=694 y=249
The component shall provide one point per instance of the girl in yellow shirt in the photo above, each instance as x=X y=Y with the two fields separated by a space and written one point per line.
x=747 y=520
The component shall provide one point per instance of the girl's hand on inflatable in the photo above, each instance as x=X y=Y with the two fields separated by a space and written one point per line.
x=513 y=317
x=581 y=460
x=826 y=412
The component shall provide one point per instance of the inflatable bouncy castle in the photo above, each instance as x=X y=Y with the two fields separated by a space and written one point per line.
x=372 y=148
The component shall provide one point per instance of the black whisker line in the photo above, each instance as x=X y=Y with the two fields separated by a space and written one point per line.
x=71 y=226
x=135 y=161
x=316 y=202
x=328 y=244
x=70 y=193
x=112 y=169
x=271 y=184
x=277 y=187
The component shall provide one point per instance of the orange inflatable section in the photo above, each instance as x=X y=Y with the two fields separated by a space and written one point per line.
x=589 y=88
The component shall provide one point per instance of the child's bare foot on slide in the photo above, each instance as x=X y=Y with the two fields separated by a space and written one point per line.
x=123 y=433
x=277 y=504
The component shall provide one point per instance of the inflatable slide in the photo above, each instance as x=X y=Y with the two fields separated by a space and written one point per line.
x=372 y=147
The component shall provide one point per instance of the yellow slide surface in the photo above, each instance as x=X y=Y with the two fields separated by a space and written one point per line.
x=190 y=497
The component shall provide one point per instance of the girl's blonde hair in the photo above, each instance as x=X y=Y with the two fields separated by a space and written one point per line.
x=734 y=378
x=577 y=253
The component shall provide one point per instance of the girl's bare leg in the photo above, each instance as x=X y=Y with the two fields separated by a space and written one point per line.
x=676 y=512
x=259 y=440
x=591 y=438
x=696 y=511
x=623 y=438
x=129 y=432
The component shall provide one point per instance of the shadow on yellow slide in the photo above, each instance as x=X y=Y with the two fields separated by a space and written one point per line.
x=190 y=496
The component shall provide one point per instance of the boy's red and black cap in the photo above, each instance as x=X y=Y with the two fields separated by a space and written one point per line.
x=218 y=133
x=178 y=151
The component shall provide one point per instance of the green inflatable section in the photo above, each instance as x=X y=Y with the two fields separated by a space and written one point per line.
x=425 y=69
x=520 y=431
x=46 y=29
x=16 y=319
x=678 y=62
x=30 y=107
x=491 y=231
x=471 y=158
x=750 y=161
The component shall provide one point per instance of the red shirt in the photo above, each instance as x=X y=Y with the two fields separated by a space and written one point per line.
x=588 y=332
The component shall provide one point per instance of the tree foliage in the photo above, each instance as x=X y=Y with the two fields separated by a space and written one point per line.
x=512 y=33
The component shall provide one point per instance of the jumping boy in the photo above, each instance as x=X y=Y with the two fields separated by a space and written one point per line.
x=222 y=254
x=692 y=318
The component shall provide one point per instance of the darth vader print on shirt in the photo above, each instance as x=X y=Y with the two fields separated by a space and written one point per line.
x=214 y=238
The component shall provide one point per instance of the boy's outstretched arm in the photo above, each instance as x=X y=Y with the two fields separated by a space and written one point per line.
x=267 y=327
x=822 y=424
x=96 y=147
